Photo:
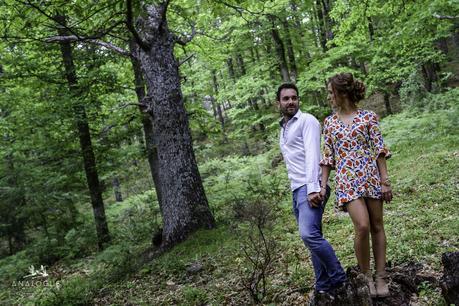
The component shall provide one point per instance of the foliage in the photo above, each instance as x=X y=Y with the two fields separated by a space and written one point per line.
x=15 y=267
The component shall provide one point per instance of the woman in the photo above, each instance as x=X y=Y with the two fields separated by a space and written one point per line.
x=354 y=147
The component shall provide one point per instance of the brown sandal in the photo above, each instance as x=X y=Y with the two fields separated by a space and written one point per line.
x=382 y=289
x=371 y=284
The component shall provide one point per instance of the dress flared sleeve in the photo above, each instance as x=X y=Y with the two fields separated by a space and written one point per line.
x=376 y=139
x=328 y=155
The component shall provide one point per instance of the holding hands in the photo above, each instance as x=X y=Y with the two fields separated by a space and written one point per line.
x=315 y=199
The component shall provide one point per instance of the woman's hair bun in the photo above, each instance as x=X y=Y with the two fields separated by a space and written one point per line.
x=359 y=90
x=345 y=84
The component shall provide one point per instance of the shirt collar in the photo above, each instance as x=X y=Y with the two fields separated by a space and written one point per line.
x=296 y=116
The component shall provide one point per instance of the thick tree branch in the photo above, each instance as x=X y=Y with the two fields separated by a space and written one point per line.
x=73 y=38
x=131 y=28
x=181 y=40
x=445 y=17
x=163 y=11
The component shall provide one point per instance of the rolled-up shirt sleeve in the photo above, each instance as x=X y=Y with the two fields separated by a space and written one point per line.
x=311 y=141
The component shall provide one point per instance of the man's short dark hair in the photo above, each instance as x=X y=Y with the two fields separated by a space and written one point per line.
x=286 y=86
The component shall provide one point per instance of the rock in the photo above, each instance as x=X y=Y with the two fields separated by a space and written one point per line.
x=194 y=268
x=449 y=282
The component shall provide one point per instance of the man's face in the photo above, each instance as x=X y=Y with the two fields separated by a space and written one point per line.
x=288 y=102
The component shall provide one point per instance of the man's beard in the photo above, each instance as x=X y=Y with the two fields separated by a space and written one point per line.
x=290 y=111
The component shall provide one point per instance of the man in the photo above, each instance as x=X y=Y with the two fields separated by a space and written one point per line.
x=300 y=146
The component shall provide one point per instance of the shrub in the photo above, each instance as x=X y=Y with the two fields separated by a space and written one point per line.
x=15 y=267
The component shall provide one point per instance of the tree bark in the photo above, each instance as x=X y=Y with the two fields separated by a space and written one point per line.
x=387 y=103
x=185 y=208
x=218 y=107
x=117 y=189
x=229 y=64
x=456 y=34
x=371 y=30
x=280 y=52
x=442 y=44
x=429 y=72
x=290 y=52
x=149 y=134
x=328 y=24
x=241 y=64
x=92 y=177
x=302 y=50
x=268 y=48
x=320 y=25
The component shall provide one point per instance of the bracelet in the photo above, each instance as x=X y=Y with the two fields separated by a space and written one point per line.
x=386 y=182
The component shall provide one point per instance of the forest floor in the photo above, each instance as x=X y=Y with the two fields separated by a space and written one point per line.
x=213 y=267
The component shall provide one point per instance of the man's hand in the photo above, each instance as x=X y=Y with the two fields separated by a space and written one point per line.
x=315 y=199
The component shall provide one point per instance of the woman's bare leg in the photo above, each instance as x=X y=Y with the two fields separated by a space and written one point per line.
x=378 y=235
x=360 y=218
x=378 y=238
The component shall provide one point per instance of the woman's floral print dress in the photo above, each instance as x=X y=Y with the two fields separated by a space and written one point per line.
x=352 y=151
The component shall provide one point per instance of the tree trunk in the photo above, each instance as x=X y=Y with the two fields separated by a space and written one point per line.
x=217 y=105
x=320 y=25
x=387 y=103
x=456 y=34
x=328 y=24
x=442 y=45
x=257 y=54
x=213 y=101
x=185 y=207
x=429 y=72
x=230 y=65
x=149 y=134
x=290 y=52
x=92 y=177
x=240 y=62
x=371 y=30
x=117 y=189
x=302 y=50
x=245 y=148
x=252 y=56
x=268 y=49
x=280 y=52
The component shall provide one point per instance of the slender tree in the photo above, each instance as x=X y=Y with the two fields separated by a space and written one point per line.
x=84 y=134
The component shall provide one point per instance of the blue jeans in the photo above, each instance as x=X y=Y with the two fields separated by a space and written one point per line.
x=327 y=268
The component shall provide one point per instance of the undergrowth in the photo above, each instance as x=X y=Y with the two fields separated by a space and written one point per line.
x=421 y=224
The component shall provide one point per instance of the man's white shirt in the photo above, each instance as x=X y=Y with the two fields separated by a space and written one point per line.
x=300 y=145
